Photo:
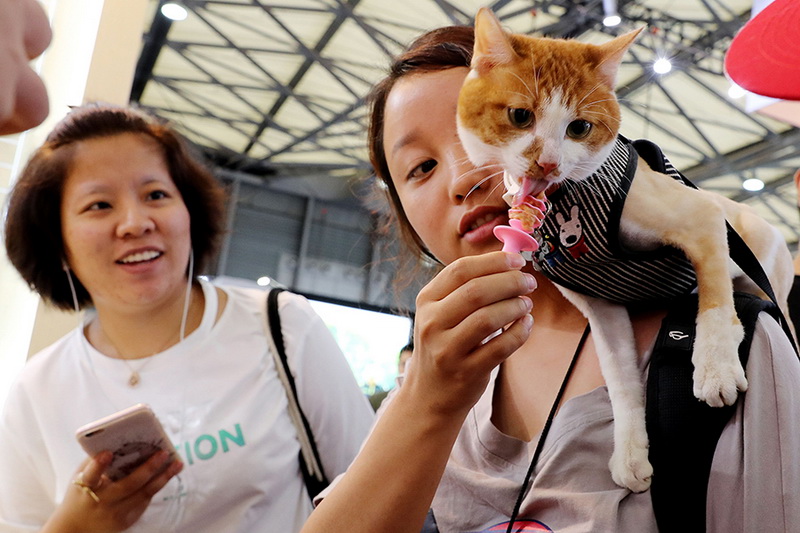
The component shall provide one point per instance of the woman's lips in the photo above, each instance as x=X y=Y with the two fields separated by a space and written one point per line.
x=478 y=225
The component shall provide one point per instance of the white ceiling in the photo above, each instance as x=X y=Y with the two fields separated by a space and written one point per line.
x=276 y=88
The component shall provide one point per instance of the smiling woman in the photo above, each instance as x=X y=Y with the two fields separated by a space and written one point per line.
x=114 y=215
x=126 y=228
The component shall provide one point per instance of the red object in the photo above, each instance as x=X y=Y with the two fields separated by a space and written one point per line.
x=764 y=57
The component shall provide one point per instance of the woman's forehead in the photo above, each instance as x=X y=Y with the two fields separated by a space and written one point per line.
x=419 y=102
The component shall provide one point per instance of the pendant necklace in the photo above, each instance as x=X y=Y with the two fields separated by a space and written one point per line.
x=545 y=430
x=135 y=377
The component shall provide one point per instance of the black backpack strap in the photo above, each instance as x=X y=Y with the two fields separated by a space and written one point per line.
x=684 y=431
x=743 y=256
x=310 y=461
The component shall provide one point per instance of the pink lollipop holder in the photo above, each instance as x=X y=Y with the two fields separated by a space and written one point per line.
x=514 y=238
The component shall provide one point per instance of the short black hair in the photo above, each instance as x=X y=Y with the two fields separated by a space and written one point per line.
x=33 y=233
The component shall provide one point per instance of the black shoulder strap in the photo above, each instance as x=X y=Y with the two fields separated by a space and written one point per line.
x=310 y=461
x=684 y=431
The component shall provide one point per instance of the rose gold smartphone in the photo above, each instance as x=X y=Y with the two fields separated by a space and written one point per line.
x=132 y=435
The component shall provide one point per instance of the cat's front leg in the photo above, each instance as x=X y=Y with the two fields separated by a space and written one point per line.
x=661 y=210
x=718 y=374
x=616 y=352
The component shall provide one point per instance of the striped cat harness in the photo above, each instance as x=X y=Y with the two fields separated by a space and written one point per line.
x=580 y=242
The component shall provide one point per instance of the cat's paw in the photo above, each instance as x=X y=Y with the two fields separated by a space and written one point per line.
x=630 y=468
x=718 y=374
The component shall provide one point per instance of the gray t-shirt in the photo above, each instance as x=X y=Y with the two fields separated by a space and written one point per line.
x=754 y=480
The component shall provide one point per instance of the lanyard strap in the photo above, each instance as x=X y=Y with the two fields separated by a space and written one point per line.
x=546 y=429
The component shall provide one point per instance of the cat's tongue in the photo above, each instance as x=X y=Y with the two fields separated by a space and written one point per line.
x=527 y=187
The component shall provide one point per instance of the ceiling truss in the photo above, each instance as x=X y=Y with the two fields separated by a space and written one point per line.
x=272 y=88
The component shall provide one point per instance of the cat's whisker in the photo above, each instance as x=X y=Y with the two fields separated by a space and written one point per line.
x=462 y=160
x=481 y=182
x=603 y=122
x=593 y=187
x=535 y=75
x=468 y=173
x=600 y=113
x=491 y=192
x=583 y=184
x=593 y=89
x=525 y=84
x=524 y=96
x=597 y=102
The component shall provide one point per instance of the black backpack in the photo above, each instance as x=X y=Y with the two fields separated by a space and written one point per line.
x=684 y=431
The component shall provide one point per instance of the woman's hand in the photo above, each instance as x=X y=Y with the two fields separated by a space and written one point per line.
x=95 y=504
x=471 y=299
x=402 y=461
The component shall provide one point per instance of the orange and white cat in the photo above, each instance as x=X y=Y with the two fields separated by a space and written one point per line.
x=545 y=110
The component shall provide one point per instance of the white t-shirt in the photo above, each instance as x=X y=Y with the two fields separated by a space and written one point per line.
x=219 y=398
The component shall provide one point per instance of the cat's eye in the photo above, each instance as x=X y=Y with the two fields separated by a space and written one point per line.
x=578 y=129
x=519 y=117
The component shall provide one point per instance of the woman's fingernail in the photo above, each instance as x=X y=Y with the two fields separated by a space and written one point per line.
x=527 y=322
x=175 y=467
x=527 y=304
x=530 y=280
x=104 y=457
x=515 y=261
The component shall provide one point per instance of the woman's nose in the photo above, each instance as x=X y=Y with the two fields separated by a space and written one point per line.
x=135 y=221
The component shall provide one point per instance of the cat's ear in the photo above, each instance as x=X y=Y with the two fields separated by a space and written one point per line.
x=611 y=54
x=492 y=45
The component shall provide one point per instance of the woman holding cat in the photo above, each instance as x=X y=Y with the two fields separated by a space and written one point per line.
x=114 y=215
x=472 y=414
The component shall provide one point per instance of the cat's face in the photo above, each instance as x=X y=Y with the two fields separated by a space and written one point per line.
x=544 y=109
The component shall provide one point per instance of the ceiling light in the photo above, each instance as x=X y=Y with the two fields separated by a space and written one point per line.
x=735 y=91
x=752 y=184
x=662 y=65
x=174 y=11
x=263 y=281
x=610 y=15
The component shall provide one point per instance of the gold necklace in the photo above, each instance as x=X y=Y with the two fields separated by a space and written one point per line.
x=135 y=378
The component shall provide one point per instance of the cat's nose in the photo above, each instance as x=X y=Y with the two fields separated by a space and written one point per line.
x=547 y=167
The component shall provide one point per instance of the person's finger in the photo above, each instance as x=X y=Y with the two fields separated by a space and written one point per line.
x=142 y=475
x=491 y=288
x=464 y=269
x=31 y=104
x=37 y=34
x=477 y=293
x=93 y=469
x=89 y=476
x=469 y=335
x=158 y=482
x=497 y=349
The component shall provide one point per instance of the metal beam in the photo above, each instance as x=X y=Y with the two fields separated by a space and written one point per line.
x=299 y=75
